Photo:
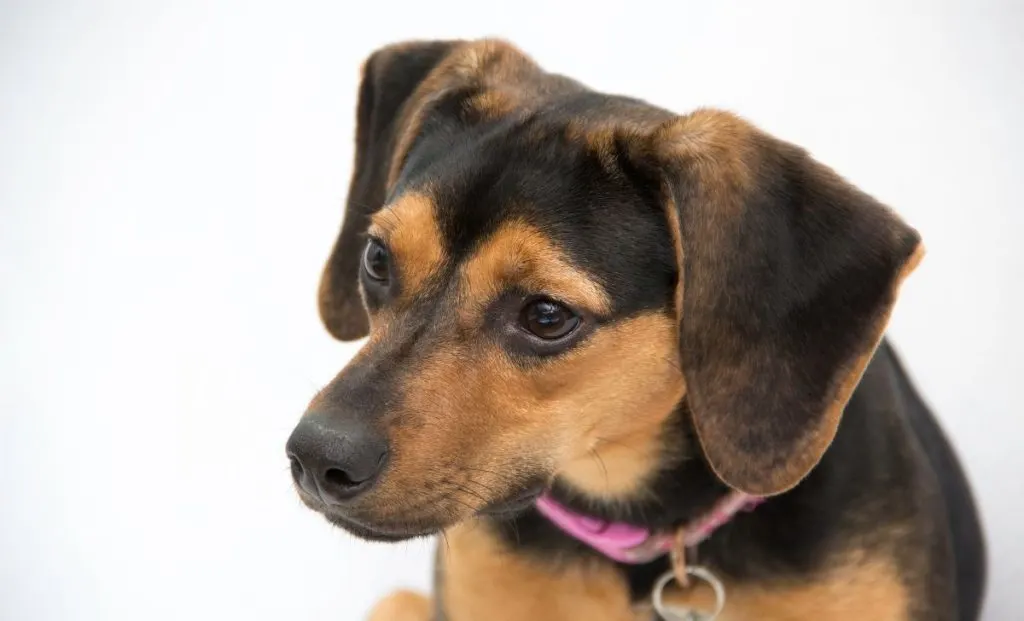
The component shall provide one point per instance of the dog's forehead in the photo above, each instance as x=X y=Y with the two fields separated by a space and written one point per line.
x=559 y=169
x=550 y=187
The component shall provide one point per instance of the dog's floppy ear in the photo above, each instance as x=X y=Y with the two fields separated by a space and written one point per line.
x=787 y=277
x=390 y=76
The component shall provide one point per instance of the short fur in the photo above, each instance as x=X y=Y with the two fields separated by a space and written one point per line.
x=734 y=295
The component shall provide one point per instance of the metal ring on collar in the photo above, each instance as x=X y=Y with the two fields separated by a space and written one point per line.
x=701 y=573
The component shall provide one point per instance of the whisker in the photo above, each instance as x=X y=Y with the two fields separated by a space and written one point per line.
x=511 y=479
x=600 y=462
x=447 y=544
x=472 y=493
x=603 y=440
x=675 y=364
x=471 y=508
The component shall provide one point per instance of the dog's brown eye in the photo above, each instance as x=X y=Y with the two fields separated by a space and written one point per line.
x=376 y=260
x=548 y=320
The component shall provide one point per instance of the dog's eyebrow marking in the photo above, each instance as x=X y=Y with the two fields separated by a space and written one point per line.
x=409 y=228
x=518 y=254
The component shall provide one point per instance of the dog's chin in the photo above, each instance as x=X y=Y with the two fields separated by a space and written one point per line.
x=384 y=534
x=423 y=526
x=373 y=530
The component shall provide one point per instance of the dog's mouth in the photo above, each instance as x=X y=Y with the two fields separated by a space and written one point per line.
x=514 y=504
x=410 y=527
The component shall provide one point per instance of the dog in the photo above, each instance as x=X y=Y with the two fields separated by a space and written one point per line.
x=588 y=312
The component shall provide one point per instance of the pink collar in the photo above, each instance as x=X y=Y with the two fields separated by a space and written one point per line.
x=633 y=544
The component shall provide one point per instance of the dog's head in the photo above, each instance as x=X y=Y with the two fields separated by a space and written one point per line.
x=548 y=274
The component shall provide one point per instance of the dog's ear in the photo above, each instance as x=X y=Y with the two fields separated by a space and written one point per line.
x=787 y=277
x=390 y=77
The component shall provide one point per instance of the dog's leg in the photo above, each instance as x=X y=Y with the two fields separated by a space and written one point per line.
x=402 y=606
x=405 y=605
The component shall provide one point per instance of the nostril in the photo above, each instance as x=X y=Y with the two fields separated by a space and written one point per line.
x=302 y=477
x=335 y=461
x=297 y=469
x=340 y=478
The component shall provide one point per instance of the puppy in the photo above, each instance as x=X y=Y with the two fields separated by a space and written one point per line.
x=586 y=311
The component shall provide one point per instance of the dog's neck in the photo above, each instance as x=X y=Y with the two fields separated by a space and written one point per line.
x=675 y=496
x=791 y=534
x=627 y=543
x=683 y=489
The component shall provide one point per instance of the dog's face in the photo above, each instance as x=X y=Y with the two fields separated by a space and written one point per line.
x=547 y=275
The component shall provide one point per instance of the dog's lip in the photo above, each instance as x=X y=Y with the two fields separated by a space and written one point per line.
x=514 y=504
x=360 y=528
x=508 y=507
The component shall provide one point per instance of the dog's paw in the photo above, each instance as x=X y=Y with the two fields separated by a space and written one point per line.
x=402 y=606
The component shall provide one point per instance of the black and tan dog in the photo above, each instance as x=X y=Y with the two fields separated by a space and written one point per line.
x=636 y=312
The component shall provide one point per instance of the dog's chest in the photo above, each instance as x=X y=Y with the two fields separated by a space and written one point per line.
x=480 y=578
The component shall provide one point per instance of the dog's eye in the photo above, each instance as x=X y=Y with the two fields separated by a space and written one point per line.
x=548 y=320
x=376 y=260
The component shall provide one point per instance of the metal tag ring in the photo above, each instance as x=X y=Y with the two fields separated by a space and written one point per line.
x=700 y=573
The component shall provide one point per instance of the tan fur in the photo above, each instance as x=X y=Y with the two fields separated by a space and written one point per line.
x=472 y=424
x=409 y=228
x=493 y=103
x=481 y=579
x=402 y=606
x=622 y=445
x=484 y=580
x=719 y=146
x=520 y=254
x=601 y=136
x=860 y=588
x=614 y=468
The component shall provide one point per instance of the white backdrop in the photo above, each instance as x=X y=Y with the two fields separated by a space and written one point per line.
x=171 y=179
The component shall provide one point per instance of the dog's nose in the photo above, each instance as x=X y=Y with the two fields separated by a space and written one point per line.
x=335 y=461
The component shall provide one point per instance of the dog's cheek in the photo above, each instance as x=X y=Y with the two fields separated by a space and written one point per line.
x=471 y=419
x=616 y=396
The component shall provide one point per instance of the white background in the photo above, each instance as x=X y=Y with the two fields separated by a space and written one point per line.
x=171 y=179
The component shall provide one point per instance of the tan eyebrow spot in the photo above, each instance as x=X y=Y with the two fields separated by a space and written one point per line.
x=520 y=254
x=409 y=228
